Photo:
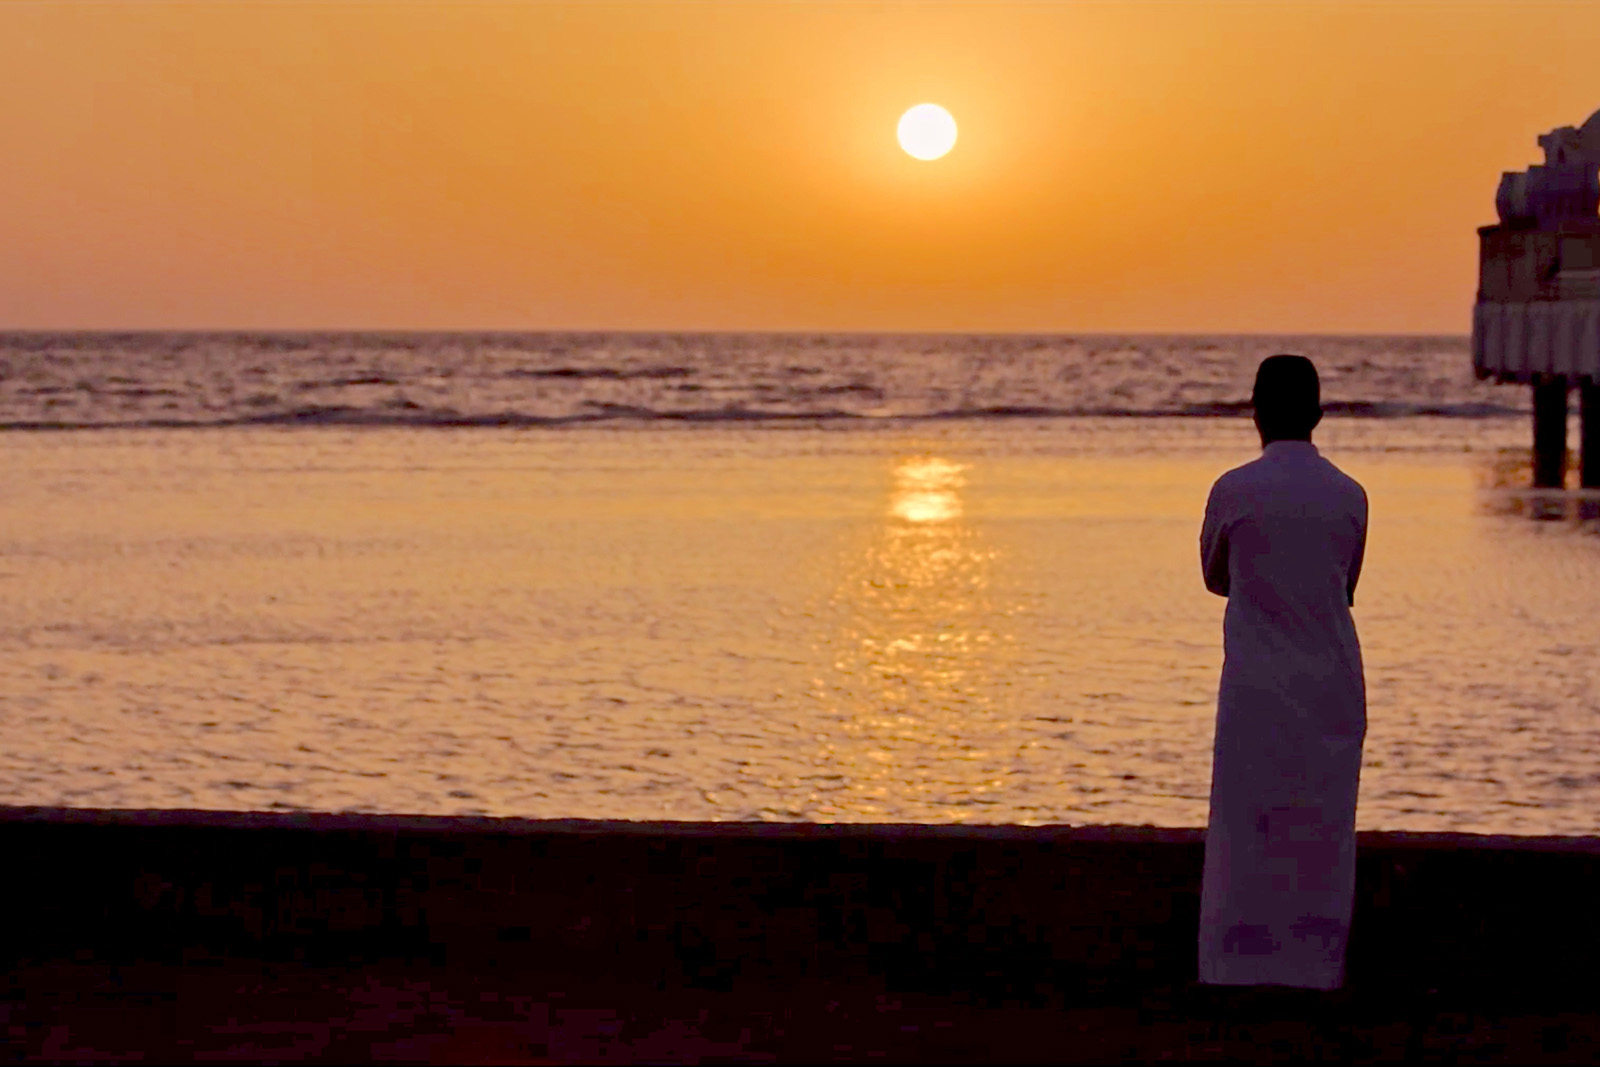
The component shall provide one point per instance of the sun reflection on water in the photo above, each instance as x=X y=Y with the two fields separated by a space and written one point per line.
x=914 y=659
x=927 y=489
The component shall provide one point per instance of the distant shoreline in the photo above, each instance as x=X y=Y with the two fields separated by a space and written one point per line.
x=345 y=822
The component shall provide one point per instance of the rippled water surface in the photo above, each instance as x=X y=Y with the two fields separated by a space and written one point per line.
x=990 y=621
x=509 y=379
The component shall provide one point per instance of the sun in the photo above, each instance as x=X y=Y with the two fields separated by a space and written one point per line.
x=927 y=131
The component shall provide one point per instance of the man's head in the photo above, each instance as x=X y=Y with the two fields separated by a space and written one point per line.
x=1287 y=399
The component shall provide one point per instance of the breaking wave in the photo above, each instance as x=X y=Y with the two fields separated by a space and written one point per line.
x=171 y=381
x=618 y=413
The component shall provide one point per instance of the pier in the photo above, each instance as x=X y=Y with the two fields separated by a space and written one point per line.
x=196 y=935
x=1537 y=317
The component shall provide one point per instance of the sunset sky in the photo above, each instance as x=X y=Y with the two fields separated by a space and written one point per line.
x=1134 y=166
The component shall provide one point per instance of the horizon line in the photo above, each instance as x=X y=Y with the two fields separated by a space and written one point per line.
x=695 y=332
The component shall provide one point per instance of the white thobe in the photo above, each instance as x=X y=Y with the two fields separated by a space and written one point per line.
x=1283 y=541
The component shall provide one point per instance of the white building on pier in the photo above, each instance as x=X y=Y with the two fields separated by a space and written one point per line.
x=1537 y=318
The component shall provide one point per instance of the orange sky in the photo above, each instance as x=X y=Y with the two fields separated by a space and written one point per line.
x=1141 y=166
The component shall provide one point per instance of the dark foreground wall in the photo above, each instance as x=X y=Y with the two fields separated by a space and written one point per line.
x=1092 y=914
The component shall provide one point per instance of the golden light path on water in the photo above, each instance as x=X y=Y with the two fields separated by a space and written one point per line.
x=917 y=656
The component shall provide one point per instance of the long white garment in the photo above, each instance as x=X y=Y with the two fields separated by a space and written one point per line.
x=1283 y=541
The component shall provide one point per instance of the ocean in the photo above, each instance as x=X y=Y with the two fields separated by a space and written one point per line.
x=536 y=380
x=746 y=577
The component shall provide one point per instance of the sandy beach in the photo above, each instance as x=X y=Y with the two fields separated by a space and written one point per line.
x=195 y=936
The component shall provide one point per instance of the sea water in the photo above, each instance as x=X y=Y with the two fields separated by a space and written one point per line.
x=822 y=578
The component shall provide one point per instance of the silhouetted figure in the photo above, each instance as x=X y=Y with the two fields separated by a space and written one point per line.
x=1283 y=540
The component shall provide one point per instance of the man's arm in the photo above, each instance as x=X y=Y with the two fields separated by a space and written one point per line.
x=1360 y=553
x=1214 y=547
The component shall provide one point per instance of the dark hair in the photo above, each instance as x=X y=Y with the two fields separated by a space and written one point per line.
x=1287 y=397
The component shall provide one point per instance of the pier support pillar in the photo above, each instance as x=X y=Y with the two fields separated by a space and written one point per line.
x=1549 y=432
x=1589 y=449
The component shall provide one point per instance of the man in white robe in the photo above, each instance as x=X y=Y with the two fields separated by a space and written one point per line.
x=1283 y=539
